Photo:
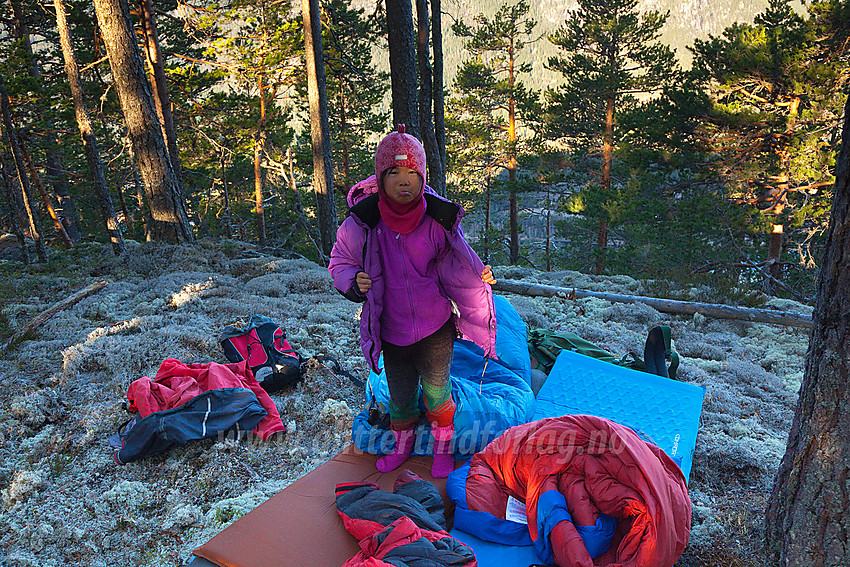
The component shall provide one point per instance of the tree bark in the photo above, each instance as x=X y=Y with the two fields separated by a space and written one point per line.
x=228 y=217
x=439 y=97
x=400 y=36
x=806 y=516
x=51 y=212
x=67 y=209
x=160 y=87
x=20 y=170
x=144 y=209
x=170 y=222
x=607 y=159
x=259 y=151
x=319 y=126
x=343 y=139
x=87 y=132
x=39 y=319
x=664 y=305
x=11 y=202
x=426 y=122
x=512 y=163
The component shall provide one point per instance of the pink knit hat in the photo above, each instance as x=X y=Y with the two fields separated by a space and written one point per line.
x=400 y=149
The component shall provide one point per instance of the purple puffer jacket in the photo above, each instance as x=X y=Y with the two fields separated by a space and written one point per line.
x=459 y=272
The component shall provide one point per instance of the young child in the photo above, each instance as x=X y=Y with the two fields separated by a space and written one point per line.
x=402 y=253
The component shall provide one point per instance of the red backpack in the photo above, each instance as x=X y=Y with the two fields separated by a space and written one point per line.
x=262 y=342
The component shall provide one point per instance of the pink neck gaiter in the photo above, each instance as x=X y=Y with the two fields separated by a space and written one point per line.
x=401 y=218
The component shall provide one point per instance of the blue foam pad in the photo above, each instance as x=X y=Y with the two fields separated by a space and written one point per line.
x=662 y=411
x=489 y=554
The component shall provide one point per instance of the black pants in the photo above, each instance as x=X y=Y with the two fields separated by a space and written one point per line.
x=429 y=359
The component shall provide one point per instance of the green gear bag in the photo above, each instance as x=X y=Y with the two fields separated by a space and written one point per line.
x=544 y=345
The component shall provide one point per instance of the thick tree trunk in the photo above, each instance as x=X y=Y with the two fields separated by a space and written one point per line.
x=144 y=209
x=66 y=206
x=170 y=222
x=87 y=132
x=20 y=170
x=160 y=87
x=607 y=159
x=323 y=183
x=429 y=138
x=439 y=97
x=807 y=511
x=400 y=36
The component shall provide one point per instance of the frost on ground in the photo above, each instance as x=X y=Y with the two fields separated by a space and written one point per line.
x=66 y=502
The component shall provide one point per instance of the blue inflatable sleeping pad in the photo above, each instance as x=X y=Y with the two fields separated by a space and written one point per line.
x=662 y=411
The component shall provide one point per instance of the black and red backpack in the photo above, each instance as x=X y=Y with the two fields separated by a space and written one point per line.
x=262 y=342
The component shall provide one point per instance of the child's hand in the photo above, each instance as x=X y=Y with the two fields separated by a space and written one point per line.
x=363 y=281
x=487 y=276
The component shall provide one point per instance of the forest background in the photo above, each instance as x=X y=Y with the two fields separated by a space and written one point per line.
x=574 y=140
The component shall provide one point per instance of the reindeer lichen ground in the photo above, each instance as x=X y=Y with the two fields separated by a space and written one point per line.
x=66 y=502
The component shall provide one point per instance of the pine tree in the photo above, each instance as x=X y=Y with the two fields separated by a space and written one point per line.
x=505 y=103
x=776 y=108
x=260 y=45
x=611 y=58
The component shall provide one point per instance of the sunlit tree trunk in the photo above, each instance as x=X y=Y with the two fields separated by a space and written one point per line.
x=170 y=222
x=259 y=151
x=512 y=163
x=45 y=199
x=607 y=159
x=87 y=132
x=806 y=516
x=319 y=127
x=228 y=218
x=12 y=204
x=20 y=171
x=55 y=171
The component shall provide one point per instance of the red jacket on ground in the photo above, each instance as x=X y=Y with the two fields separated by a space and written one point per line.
x=176 y=383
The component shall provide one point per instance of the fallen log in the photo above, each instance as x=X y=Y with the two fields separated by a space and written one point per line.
x=39 y=319
x=664 y=305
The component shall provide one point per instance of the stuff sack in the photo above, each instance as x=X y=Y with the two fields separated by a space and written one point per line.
x=262 y=342
x=544 y=345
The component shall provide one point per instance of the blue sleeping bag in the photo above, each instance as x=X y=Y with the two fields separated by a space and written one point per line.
x=488 y=399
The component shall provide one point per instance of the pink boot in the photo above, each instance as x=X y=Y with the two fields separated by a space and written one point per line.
x=444 y=456
x=404 y=440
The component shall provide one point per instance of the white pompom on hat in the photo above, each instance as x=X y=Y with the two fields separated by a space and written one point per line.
x=400 y=150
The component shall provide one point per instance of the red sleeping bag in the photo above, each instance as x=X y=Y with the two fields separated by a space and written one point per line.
x=600 y=467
